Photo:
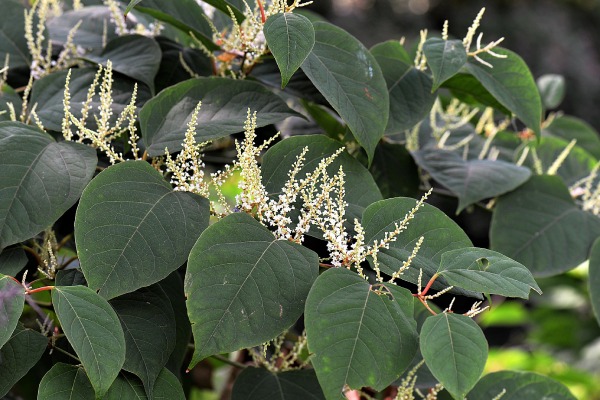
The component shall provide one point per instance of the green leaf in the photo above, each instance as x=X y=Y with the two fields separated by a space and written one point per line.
x=519 y=385
x=552 y=90
x=148 y=322
x=171 y=70
x=395 y=171
x=172 y=285
x=130 y=6
x=94 y=331
x=483 y=270
x=359 y=334
x=12 y=40
x=594 y=281
x=445 y=58
x=470 y=180
x=65 y=381
x=291 y=38
x=12 y=300
x=243 y=286
x=440 y=233
x=469 y=90
x=325 y=119
x=70 y=277
x=132 y=229
x=350 y=79
x=135 y=56
x=361 y=189
x=532 y=222
x=568 y=128
x=48 y=93
x=410 y=90
x=224 y=7
x=19 y=355
x=167 y=387
x=41 y=180
x=126 y=386
x=261 y=384
x=12 y=261
x=185 y=15
x=511 y=83
x=455 y=350
x=225 y=102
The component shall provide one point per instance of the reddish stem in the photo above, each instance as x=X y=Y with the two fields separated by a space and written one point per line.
x=14 y=279
x=40 y=289
x=263 y=18
x=427 y=305
x=428 y=286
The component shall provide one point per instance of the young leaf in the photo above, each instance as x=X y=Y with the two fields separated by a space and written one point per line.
x=532 y=222
x=261 y=384
x=455 y=350
x=94 y=331
x=148 y=322
x=569 y=128
x=41 y=179
x=19 y=355
x=511 y=83
x=225 y=103
x=410 y=90
x=65 y=381
x=12 y=300
x=483 y=270
x=243 y=286
x=359 y=334
x=470 y=180
x=290 y=37
x=440 y=233
x=12 y=261
x=445 y=58
x=350 y=79
x=594 y=281
x=552 y=90
x=132 y=229
x=519 y=385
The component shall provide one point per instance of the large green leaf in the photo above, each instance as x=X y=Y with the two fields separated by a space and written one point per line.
x=290 y=37
x=243 y=286
x=410 y=89
x=48 y=93
x=12 y=39
x=136 y=56
x=225 y=102
x=94 y=331
x=361 y=189
x=41 y=179
x=483 y=270
x=350 y=79
x=65 y=381
x=445 y=58
x=469 y=90
x=12 y=261
x=440 y=233
x=470 y=180
x=532 y=222
x=512 y=84
x=519 y=385
x=127 y=386
x=19 y=355
x=455 y=350
x=148 y=323
x=594 y=281
x=359 y=334
x=395 y=171
x=12 y=299
x=132 y=229
x=262 y=384
x=569 y=128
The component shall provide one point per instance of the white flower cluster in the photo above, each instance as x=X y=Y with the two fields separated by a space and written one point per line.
x=117 y=17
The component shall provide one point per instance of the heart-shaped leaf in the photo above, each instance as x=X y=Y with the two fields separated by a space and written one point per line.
x=512 y=84
x=519 y=385
x=530 y=223
x=41 y=179
x=290 y=37
x=94 y=331
x=483 y=270
x=359 y=334
x=65 y=381
x=350 y=79
x=19 y=355
x=148 y=322
x=12 y=300
x=225 y=102
x=261 y=384
x=132 y=229
x=455 y=350
x=470 y=180
x=243 y=286
x=445 y=58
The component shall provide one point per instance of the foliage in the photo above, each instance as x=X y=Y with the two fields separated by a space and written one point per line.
x=315 y=274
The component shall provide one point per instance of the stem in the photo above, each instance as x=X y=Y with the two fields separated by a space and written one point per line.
x=67 y=353
x=69 y=261
x=263 y=18
x=427 y=306
x=64 y=241
x=34 y=254
x=323 y=265
x=40 y=289
x=433 y=278
x=41 y=314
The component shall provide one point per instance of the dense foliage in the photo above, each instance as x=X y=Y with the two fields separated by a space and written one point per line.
x=151 y=220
